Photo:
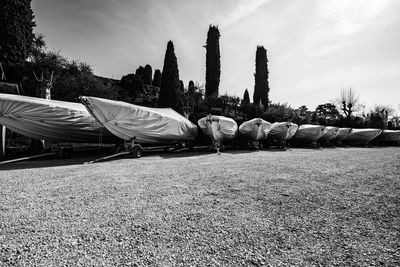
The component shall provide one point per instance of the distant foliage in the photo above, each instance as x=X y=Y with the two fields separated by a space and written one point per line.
x=327 y=114
x=213 y=62
x=157 y=78
x=83 y=82
x=181 y=87
x=278 y=112
x=147 y=75
x=261 y=87
x=16 y=30
x=133 y=85
x=169 y=91
x=140 y=72
x=67 y=79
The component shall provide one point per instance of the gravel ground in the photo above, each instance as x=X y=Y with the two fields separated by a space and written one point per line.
x=301 y=207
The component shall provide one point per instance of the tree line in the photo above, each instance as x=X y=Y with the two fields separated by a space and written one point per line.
x=25 y=60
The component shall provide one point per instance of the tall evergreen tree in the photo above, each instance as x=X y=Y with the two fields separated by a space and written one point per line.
x=181 y=86
x=261 y=87
x=157 y=78
x=246 y=98
x=140 y=72
x=16 y=30
x=147 y=74
x=169 y=91
x=213 y=61
x=191 y=86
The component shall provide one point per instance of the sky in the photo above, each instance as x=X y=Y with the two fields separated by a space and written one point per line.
x=315 y=48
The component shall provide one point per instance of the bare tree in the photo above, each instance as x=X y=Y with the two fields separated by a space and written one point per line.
x=349 y=102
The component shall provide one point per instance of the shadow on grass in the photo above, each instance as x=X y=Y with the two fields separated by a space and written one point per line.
x=76 y=158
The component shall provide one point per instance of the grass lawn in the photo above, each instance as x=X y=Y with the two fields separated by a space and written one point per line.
x=302 y=207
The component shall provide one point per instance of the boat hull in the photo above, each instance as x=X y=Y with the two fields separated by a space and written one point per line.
x=218 y=128
x=143 y=124
x=51 y=120
x=342 y=135
x=309 y=133
x=255 y=129
x=363 y=136
x=282 y=131
x=330 y=134
x=390 y=136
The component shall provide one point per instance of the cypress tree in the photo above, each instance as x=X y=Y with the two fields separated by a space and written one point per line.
x=147 y=74
x=139 y=72
x=191 y=87
x=157 y=78
x=181 y=86
x=213 y=63
x=16 y=30
x=261 y=87
x=169 y=91
x=246 y=98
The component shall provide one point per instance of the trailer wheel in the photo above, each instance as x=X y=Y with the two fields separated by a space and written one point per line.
x=136 y=152
x=64 y=153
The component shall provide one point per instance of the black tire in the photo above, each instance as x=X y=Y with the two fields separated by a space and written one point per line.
x=261 y=147
x=64 y=153
x=222 y=148
x=136 y=152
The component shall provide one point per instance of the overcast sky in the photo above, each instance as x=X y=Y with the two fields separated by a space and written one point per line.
x=315 y=47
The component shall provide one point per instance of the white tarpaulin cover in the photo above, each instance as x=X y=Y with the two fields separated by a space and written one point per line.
x=218 y=127
x=147 y=125
x=390 y=136
x=363 y=135
x=51 y=120
x=282 y=130
x=343 y=134
x=255 y=129
x=330 y=133
x=309 y=132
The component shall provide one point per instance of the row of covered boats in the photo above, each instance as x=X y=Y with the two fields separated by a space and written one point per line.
x=101 y=120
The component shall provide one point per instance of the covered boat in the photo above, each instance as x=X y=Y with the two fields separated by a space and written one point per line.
x=330 y=133
x=392 y=136
x=342 y=134
x=218 y=128
x=309 y=133
x=363 y=136
x=143 y=124
x=282 y=131
x=51 y=120
x=255 y=129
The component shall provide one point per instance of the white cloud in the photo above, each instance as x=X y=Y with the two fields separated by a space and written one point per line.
x=336 y=21
x=243 y=9
x=346 y=17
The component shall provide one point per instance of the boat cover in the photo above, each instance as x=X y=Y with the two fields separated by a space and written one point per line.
x=51 y=120
x=282 y=130
x=255 y=129
x=218 y=127
x=309 y=132
x=330 y=133
x=343 y=134
x=390 y=136
x=147 y=125
x=363 y=135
